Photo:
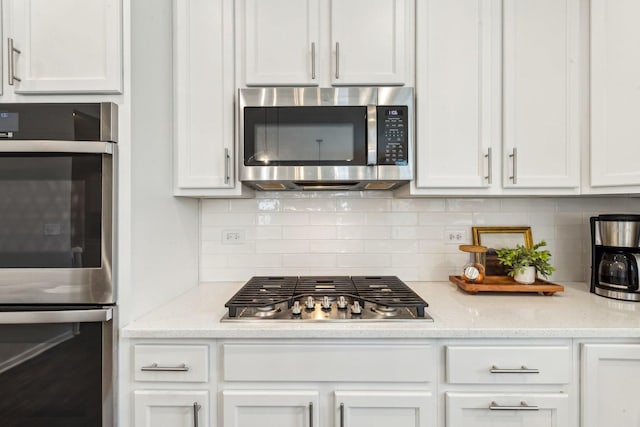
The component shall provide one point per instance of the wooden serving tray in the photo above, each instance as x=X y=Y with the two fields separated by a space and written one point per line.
x=506 y=284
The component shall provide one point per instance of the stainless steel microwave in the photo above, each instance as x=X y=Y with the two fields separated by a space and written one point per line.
x=347 y=138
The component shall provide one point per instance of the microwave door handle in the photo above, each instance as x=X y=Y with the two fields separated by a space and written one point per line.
x=372 y=135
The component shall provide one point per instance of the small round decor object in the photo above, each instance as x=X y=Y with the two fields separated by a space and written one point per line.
x=473 y=273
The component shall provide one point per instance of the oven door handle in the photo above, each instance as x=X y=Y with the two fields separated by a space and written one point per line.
x=55 y=316
x=50 y=146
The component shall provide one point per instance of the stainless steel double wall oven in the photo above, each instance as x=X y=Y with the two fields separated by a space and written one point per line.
x=57 y=292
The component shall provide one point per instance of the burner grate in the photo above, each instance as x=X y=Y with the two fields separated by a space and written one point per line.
x=389 y=291
x=262 y=291
x=325 y=285
x=265 y=292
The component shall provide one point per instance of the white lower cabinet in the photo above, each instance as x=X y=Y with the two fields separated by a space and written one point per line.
x=509 y=384
x=171 y=408
x=283 y=408
x=507 y=409
x=383 y=409
x=328 y=383
x=171 y=385
x=610 y=385
x=302 y=408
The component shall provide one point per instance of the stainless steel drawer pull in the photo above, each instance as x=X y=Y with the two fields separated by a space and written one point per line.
x=310 y=414
x=522 y=407
x=337 y=60
x=488 y=176
x=157 y=368
x=196 y=409
x=514 y=157
x=313 y=61
x=227 y=166
x=342 y=415
x=521 y=370
x=11 y=64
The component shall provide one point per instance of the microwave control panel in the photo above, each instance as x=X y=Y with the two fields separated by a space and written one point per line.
x=393 y=138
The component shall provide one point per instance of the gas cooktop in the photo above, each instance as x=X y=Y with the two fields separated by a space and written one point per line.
x=326 y=298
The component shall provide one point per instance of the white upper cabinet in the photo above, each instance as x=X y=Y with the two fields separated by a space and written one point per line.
x=204 y=99
x=615 y=99
x=497 y=97
x=281 y=42
x=541 y=94
x=370 y=42
x=64 y=46
x=325 y=42
x=458 y=101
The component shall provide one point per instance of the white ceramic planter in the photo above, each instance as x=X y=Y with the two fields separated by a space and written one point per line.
x=527 y=277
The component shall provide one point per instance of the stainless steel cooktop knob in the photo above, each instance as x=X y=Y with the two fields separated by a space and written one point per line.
x=355 y=308
x=296 y=308
x=326 y=304
x=310 y=304
x=342 y=302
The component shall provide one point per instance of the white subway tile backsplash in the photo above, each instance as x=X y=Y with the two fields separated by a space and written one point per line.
x=342 y=218
x=336 y=246
x=309 y=205
x=307 y=232
x=395 y=218
x=361 y=233
x=366 y=232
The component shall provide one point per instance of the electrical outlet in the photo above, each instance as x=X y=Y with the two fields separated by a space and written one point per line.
x=455 y=236
x=232 y=237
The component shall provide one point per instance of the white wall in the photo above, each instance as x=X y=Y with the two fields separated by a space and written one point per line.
x=164 y=229
x=373 y=233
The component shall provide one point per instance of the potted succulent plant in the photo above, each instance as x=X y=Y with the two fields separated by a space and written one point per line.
x=523 y=263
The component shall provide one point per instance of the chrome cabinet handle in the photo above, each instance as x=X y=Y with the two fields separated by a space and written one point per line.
x=522 y=407
x=337 y=60
x=11 y=65
x=521 y=370
x=310 y=414
x=488 y=176
x=196 y=409
x=227 y=166
x=154 y=367
x=342 y=415
x=313 y=61
x=514 y=157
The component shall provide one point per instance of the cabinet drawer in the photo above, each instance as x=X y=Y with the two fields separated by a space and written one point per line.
x=171 y=363
x=328 y=362
x=508 y=364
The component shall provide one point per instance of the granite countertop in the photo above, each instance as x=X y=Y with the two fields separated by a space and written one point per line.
x=574 y=313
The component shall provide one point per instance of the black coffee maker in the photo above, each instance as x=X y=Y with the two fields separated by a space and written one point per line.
x=615 y=253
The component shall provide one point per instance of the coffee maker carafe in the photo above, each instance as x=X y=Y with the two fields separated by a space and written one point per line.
x=615 y=249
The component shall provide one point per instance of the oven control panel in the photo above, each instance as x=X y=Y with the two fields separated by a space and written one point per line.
x=393 y=138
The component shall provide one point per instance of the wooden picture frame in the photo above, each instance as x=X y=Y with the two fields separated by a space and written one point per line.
x=495 y=238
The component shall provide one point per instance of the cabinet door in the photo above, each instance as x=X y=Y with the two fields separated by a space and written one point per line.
x=204 y=93
x=66 y=46
x=281 y=42
x=458 y=93
x=250 y=408
x=610 y=382
x=169 y=408
x=384 y=408
x=507 y=410
x=615 y=99
x=371 y=41
x=541 y=94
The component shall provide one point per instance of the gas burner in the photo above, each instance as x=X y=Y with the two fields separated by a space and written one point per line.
x=385 y=310
x=266 y=311
x=326 y=298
